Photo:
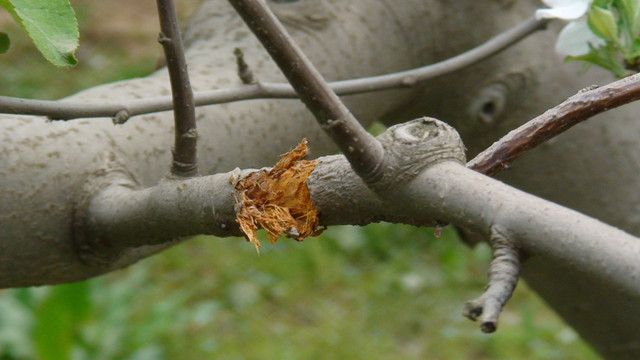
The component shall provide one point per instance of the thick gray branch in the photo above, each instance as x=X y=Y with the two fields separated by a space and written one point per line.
x=120 y=218
x=452 y=193
x=125 y=109
x=444 y=190
x=593 y=168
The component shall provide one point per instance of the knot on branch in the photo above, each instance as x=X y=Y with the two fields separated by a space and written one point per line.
x=412 y=147
x=491 y=102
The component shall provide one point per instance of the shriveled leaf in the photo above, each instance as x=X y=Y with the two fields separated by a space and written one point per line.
x=279 y=200
x=4 y=42
x=51 y=25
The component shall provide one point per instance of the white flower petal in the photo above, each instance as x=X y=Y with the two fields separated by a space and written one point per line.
x=574 y=39
x=561 y=3
x=564 y=9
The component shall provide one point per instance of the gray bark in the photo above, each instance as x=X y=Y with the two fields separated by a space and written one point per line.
x=55 y=175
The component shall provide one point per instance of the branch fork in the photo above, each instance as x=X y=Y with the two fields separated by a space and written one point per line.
x=386 y=164
x=364 y=152
x=411 y=148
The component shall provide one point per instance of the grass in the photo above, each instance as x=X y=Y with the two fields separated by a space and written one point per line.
x=379 y=292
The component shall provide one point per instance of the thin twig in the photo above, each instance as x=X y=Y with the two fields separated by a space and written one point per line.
x=503 y=277
x=364 y=152
x=185 y=150
x=67 y=110
x=580 y=107
x=409 y=78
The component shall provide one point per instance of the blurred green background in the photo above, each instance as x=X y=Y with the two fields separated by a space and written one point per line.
x=379 y=292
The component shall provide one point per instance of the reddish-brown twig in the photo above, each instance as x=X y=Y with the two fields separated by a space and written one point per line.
x=581 y=106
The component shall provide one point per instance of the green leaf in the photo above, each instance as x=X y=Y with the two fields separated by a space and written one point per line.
x=631 y=13
x=51 y=25
x=603 y=3
x=603 y=56
x=635 y=50
x=4 y=42
x=603 y=23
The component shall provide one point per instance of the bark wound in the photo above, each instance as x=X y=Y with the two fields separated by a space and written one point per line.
x=278 y=199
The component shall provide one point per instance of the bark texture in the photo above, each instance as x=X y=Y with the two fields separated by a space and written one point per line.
x=51 y=172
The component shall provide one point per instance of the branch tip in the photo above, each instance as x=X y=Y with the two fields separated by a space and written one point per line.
x=121 y=117
x=503 y=277
x=244 y=71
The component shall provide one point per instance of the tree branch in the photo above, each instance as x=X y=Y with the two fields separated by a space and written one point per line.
x=363 y=151
x=123 y=218
x=503 y=277
x=122 y=111
x=446 y=190
x=580 y=107
x=185 y=161
x=385 y=170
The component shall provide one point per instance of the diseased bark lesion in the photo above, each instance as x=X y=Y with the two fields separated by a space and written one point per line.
x=279 y=200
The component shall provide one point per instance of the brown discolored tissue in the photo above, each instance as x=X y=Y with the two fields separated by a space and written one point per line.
x=278 y=199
